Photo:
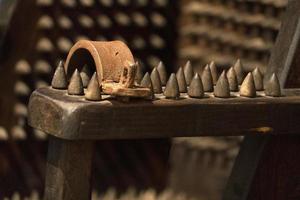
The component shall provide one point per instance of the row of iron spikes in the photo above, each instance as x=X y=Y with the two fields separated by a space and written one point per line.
x=177 y=83
x=78 y=82
x=186 y=81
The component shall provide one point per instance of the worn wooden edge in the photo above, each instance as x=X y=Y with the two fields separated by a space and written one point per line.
x=72 y=117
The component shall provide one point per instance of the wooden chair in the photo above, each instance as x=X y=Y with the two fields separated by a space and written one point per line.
x=266 y=168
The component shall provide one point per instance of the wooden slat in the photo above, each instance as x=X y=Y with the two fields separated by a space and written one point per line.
x=72 y=117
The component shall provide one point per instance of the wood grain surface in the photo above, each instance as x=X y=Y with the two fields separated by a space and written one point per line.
x=69 y=165
x=72 y=117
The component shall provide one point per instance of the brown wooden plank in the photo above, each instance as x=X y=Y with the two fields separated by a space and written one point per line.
x=68 y=173
x=75 y=118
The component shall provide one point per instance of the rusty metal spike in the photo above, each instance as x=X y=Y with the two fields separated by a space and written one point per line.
x=258 y=79
x=85 y=75
x=156 y=82
x=238 y=67
x=196 y=87
x=181 y=81
x=75 y=86
x=172 y=88
x=207 y=80
x=59 y=80
x=146 y=81
x=93 y=92
x=232 y=80
x=139 y=73
x=162 y=73
x=248 y=88
x=222 y=89
x=214 y=72
x=272 y=87
x=188 y=72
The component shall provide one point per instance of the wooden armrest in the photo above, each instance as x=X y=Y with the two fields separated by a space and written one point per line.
x=73 y=117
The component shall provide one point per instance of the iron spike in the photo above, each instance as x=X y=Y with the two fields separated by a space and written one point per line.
x=248 y=88
x=272 y=87
x=146 y=81
x=85 y=75
x=152 y=96
x=214 y=72
x=156 y=81
x=222 y=89
x=196 y=87
x=139 y=73
x=162 y=73
x=75 y=87
x=258 y=79
x=188 y=72
x=207 y=80
x=59 y=80
x=232 y=80
x=172 y=88
x=181 y=81
x=238 y=67
x=93 y=92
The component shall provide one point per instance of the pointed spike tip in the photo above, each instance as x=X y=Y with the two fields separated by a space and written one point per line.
x=272 y=87
x=162 y=73
x=59 y=80
x=146 y=81
x=232 y=80
x=207 y=80
x=188 y=72
x=222 y=89
x=93 y=92
x=139 y=73
x=172 y=88
x=85 y=75
x=239 y=70
x=248 y=88
x=214 y=72
x=196 y=87
x=75 y=86
x=156 y=82
x=181 y=81
x=258 y=79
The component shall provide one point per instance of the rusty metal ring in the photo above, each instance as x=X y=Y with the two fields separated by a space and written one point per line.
x=107 y=58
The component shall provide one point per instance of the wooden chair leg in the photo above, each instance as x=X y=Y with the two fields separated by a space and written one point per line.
x=244 y=167
x=68 y=175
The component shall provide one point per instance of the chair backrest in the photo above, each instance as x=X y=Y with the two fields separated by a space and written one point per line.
x=285 y=59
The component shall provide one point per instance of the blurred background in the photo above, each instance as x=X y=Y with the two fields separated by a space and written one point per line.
x=36 y=34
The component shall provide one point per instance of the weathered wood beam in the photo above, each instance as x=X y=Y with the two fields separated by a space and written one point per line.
x=72 y=117
x=69 y=165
